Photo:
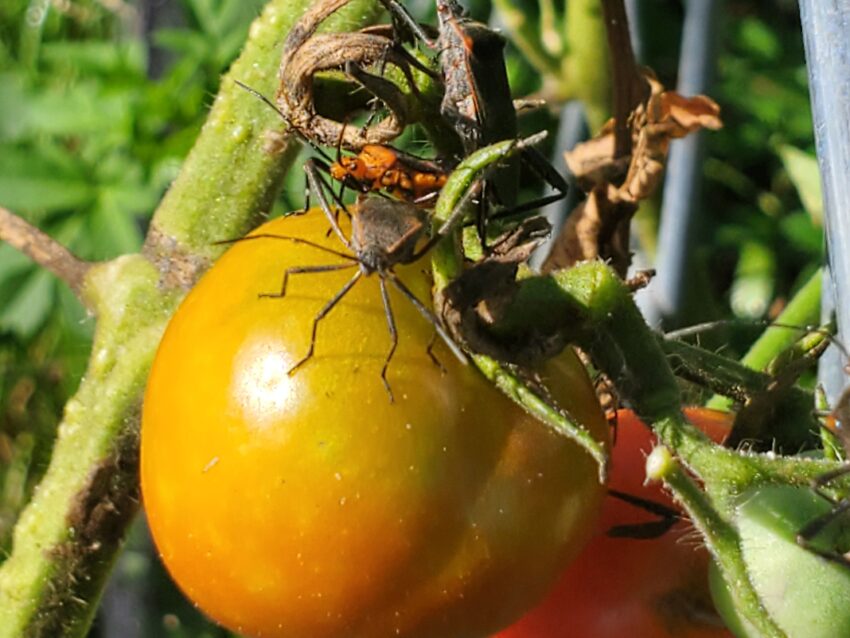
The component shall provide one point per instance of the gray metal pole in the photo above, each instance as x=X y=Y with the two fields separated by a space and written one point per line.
x=682 y=186
x=826 y=33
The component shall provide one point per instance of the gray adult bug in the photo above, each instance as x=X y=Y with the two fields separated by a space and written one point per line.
x=384 y=232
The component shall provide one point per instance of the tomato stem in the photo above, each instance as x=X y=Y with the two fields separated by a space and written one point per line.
x=521 y=394
x=68 y=535
x=722 y=541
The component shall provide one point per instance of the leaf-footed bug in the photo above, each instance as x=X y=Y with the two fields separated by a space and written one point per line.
x=385 y=233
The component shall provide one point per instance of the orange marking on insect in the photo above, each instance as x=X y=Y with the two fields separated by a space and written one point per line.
x=379 y=167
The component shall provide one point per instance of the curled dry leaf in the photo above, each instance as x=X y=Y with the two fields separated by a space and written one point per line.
x=598 y=227
x=477 y=299
x=307 y=54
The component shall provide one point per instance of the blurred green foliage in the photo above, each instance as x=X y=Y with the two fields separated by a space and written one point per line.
x=89 y=141
x=100 y=102
x=762 y=196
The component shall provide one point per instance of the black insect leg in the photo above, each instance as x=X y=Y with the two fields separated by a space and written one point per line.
x=319 y=185
x=806 y=535
x=429 y=316
x=322 y=314
x=300 y=270
x=388 y=313
x=401 y=16
x=430 y=351
x=667 y=517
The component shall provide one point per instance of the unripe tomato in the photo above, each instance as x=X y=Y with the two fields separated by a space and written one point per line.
x=309 y=505
x=646 y=588
x=805 y=594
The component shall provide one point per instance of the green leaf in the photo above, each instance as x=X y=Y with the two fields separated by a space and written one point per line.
x=803 y=170
x=31 y=184
x=111 y=232
x=29 y=308
x=124 y=59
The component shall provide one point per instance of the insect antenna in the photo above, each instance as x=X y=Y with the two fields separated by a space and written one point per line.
x=295 y=240
x=294 y=130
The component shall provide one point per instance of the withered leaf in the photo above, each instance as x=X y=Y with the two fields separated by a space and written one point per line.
x=598 y=227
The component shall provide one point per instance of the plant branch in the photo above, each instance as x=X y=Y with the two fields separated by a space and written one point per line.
x=69 y=534
x=723 y=542
x=803 y=310
x=43 y=249
x=585 y=72
x=629 y=86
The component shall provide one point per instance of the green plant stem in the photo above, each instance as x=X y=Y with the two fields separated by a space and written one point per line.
x=722 y=541
x=69 y=534
x=585 y=68
x=803 y=310
x=447 y=264
x=793 y=425
x=522 y=395
x=525 y=34
x=231 y=161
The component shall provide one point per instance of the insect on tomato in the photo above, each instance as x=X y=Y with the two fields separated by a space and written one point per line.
x=647 y=588
x=309 y=505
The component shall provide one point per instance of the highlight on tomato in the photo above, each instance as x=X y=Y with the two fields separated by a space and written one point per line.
x=307 y=504
x=646 y=588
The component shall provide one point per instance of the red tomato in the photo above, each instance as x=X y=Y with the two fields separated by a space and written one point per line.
x=627 y=587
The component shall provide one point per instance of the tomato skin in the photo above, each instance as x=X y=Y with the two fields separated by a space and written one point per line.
x=309 y=505
x=626 y=587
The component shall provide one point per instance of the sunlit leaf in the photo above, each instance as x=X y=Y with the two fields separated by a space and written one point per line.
x=803 y=170
x=28 y=309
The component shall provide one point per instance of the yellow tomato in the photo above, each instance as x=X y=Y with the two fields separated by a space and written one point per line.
x=309 y=505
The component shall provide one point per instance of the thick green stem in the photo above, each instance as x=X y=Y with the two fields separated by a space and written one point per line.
x=803 y=310
x=68 y=535
x=585 y=68
x=525 y=34
x=624 y=347
x=232 y=163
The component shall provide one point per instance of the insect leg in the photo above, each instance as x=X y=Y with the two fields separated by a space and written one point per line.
x=667 y=517
x=806 y=535
x=423 y=310
x=300 y=270
x=430 y=351
x=400 y=13
x=322 y=314
x=316 y=182
x=388 y=313
x=451 y=221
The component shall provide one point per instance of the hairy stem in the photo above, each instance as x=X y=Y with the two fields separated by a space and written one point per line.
x=69 y=534
x=723 y=542
x=803 y=310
